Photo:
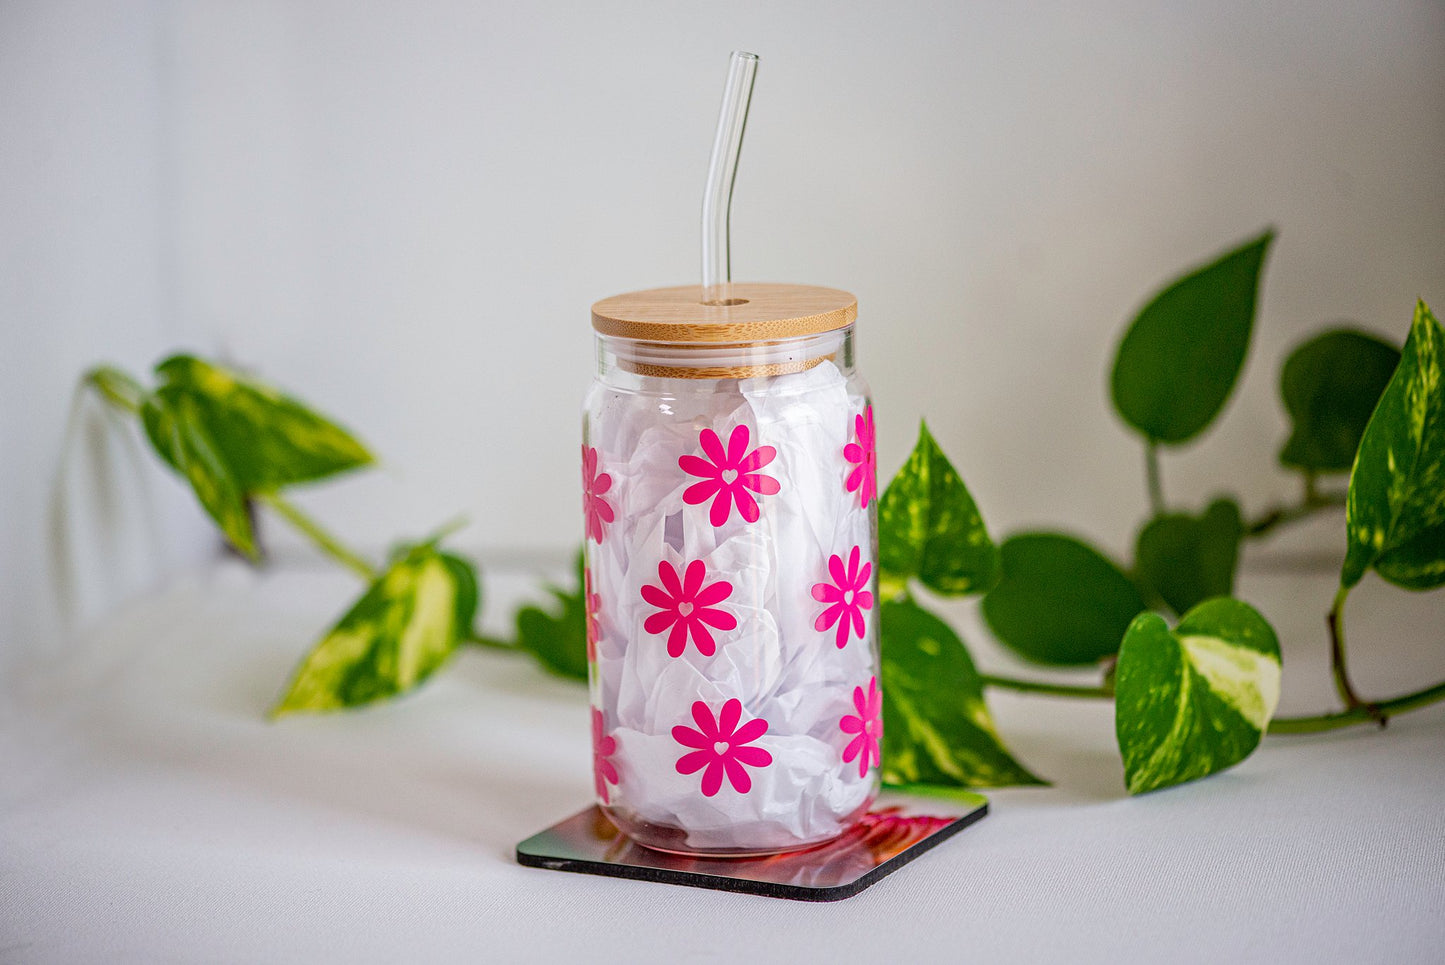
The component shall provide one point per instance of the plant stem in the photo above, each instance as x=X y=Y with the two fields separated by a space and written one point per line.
x=1363 y=714
x=1313 y=502
x=314 y=531
x=492 y=643
x=116 y=387
x=1314 y=724
x=1151 y=473
x=1335 y=620
x=1039 y=687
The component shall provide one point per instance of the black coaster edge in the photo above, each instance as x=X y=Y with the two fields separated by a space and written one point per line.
x=767 y=889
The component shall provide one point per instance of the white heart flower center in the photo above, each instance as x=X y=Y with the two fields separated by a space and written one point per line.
x=728 y=475
x=720 y=748
x=684 y=609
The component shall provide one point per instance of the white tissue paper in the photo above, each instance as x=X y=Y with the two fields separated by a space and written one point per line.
x=675 y=728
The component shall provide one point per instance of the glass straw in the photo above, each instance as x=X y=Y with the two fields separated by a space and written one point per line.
x=722 y=170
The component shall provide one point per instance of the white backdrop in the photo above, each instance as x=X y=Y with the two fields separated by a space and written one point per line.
x=402 y=211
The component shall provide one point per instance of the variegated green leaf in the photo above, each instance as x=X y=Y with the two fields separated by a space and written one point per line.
x=1186 y=559
x=1395 y=516
x=468 y=594
x=1196 y=699
x=936 y=726
x=1179 y=360
x=1330 y=384
x=1060 y=601
x=184 y=441
x=929 y=528
x=116 y=387
x=405 y=625
x=267 y=439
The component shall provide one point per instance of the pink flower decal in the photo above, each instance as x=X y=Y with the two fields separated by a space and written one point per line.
x=593 y=603
x=722 y=747
x=686 y=605
x=846 y=594
x=864 y=477
x=730 y=477
x=868 y=726
x=597 y=510
x=603 y=747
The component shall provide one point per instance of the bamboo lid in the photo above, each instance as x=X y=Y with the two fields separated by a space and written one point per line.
x=756 y=312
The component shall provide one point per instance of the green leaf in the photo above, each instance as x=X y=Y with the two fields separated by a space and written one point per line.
x=1060 y=601
x=936 y=727
x=183 y=440
x=1194 y=700
x=468 y=592
x=1180 y=358
x=1395 y=514
x=404 y=627
x=1330 y=385
x=558 y=639
x=955 y=794
x=1188 y=559
x=116 y=387
x=929 y=528
x=267 y=440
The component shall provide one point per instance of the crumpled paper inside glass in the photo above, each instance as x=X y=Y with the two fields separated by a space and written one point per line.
x=775 y=662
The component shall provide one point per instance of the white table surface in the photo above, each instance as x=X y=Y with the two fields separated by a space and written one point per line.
x=149 y=813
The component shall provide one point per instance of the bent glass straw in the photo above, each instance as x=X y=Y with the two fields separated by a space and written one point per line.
x=722 y=170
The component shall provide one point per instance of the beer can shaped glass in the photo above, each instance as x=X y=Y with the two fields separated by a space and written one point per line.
x=730 y=504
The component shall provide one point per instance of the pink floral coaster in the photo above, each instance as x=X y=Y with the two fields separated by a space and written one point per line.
x=898 y=829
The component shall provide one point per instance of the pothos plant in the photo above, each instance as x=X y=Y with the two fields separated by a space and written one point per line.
x=1194 y=673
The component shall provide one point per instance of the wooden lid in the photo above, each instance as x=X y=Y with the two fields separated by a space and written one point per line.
x=760 y=312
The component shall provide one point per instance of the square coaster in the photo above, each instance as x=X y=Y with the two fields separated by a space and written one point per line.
x=899 y=828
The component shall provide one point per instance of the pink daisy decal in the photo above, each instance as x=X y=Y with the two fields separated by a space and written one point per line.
x=603 y=747
x=722 y=747
x=867 y=725
x=847 y=597
x=864 y=477
x=729 y=477
x=686 y=605
x=593 y=603
x=597 y=510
